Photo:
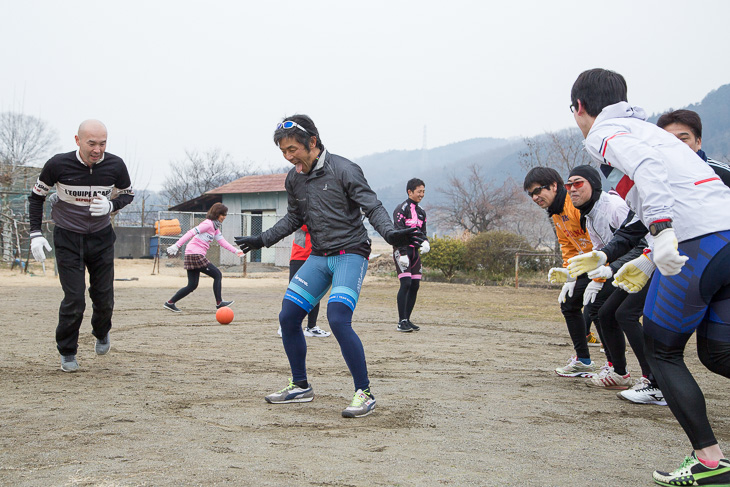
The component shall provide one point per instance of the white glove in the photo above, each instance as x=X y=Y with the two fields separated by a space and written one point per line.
x=665 y=254
x=37 y=243
x=173 y=250
x=559 y=275
x=567 y=290
x=586 y=262
x=633 y=275
x=603 y=272
x=100 y=206
x=425 y=247
x=589 y=295
x=53 y=199
x=403 y=262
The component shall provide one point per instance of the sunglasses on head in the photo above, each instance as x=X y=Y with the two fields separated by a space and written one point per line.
x=288 y=124
x=537 y=190
x=578 y=184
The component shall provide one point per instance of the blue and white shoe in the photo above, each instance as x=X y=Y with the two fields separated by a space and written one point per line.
x=291 y=393
x=362 y=405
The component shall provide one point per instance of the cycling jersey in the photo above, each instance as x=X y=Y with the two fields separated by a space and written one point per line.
x=77 y=185
x=409 y=215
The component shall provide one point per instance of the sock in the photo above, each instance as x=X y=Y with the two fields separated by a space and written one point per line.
x=302 y=384
x=585 y=361
x=708 y=463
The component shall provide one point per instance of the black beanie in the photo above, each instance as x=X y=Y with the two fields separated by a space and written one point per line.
x=590 y=174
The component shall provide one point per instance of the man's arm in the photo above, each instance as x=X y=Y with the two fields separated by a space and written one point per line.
x=721 y=169
x=37 y=196
x=359 y=191
x=125 y=194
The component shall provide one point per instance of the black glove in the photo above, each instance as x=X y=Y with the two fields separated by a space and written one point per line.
x=404 y=237
x=247 y=244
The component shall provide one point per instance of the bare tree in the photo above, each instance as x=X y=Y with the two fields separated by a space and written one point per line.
x=560 y=150
x=199 y=173
x=477 y=205
x=24 y=139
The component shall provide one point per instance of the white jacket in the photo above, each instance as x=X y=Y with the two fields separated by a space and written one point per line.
x=606 y=216
x=658 y=175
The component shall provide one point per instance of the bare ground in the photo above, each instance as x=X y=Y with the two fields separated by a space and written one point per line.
x=471 y=399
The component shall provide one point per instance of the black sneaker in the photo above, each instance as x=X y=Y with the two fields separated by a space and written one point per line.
x=223 y=304
x=694 y=472
x=413 y=327
x=404 y=326
x=172 y=307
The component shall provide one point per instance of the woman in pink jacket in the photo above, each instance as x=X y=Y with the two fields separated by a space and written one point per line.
x=195 y=262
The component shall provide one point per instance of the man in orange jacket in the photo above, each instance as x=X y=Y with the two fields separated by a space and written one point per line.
x=545 y=186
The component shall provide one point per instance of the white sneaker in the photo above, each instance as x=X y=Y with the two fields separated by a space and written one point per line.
x=316 y=331
x=643 y=393
x=608 y=379
x=576 y=368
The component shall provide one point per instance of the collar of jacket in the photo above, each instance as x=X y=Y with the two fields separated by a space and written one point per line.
x=78 y=156
x=702 y=154
x=586 y=207
x=556 y=207
x=320 y=161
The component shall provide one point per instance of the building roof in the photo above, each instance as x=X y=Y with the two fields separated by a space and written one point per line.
x=264 y=183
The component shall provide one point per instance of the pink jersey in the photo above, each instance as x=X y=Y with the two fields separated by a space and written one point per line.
x=202 y=236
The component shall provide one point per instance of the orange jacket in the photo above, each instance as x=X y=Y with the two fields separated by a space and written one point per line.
x=573 y=239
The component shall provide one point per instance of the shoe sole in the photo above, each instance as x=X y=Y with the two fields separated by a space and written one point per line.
x=594 y=344
x=173 y=310
x=404 y=331
x=608 y=388
x=70 y=371
x=316 y=336
x=347 y=414
x=586 y=375
x=304 y=399
x=650 y=403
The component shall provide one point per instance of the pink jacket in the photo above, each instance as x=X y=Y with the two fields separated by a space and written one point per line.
x=204 y=234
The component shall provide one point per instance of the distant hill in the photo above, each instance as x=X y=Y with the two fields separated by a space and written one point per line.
x=388 y=172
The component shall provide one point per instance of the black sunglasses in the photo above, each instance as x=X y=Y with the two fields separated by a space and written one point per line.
x=537 y=191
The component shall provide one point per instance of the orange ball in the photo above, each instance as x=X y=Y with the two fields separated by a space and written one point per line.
x=224 y=315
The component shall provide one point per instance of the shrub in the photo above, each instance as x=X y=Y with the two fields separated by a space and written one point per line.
x=446 y=254
x=493 y=252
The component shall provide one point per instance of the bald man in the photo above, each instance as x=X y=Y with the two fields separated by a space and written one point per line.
x=83 y=234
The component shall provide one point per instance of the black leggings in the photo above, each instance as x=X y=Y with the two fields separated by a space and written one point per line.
x=407 y=297
x=620 y=314
x=194 y=277
x=294 y=266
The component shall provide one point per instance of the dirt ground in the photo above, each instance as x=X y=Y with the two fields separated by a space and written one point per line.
x=471 y=399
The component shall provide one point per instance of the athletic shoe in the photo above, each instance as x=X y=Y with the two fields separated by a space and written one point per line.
x=172 y=307
x=316 y=331
x=694 y=472
x=69 y=363
x=102 y=346
x=361 y=405
x=592 y=340
x=413 y=327
x=608 y=379
x=223 y=304
x=404 y=326
x=576 y=368
x=291 y=393
x=643 y=393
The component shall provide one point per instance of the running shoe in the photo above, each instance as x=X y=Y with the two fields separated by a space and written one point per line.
x=171 y=307
x=608 y=379
x=694 y=472
x=69 y=363
x=592 y=340
x=316 y=331
x=576 y=368
x=291 y=393
x=223 y=304
x=643 y=393
x=102 y=346
x=413 y=327
x=404 y=326
x=362 y=405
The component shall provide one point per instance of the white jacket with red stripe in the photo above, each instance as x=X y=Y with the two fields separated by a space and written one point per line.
x=658 y=175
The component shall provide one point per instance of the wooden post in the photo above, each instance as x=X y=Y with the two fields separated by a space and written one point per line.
x=517 y=270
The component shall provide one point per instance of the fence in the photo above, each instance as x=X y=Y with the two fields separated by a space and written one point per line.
x=536 y=260
x=236 y=224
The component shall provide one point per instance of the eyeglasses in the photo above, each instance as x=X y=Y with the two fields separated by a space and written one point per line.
x=577 y=184
x=572 y=108
x=537 y=191
x=288 y=124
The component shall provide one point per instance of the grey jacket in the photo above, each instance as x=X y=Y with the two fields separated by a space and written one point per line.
x=328 y=200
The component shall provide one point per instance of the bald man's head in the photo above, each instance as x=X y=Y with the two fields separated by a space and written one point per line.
x=91 y=140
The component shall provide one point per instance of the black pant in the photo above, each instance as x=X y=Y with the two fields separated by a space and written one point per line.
x=193 y=279
x=620 y=315
x=76 y=252
x=406 y=298
x=294 y=266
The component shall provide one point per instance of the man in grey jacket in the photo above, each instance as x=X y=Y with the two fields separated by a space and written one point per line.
x=328 y=193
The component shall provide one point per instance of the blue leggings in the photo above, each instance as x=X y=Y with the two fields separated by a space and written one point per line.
x=345 y=274
x=698 y=298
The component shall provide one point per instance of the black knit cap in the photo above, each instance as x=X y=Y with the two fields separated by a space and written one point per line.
x=590 y=174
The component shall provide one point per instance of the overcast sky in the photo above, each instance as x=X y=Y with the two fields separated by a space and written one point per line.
x=166 y=76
